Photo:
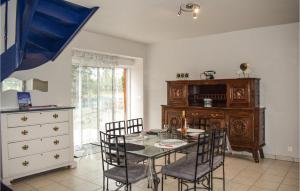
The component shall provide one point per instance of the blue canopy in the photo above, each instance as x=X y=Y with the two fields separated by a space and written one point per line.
x=43 y=29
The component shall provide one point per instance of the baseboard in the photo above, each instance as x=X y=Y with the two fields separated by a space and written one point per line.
x=269 y=156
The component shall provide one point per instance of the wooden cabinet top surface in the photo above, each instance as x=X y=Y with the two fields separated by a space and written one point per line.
x=211 y=81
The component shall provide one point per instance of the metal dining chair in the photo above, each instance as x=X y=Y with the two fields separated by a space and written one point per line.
x=219 y=149
x=115 y=128
x=196 y=122
x=118 y=128
x=115 y=163
x=194 y=168
x=135 y=125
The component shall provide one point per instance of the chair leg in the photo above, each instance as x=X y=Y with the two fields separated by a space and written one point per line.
x=212 y=180
x=181 y=185
x=178 y=184
x=208 y=182
x=162 y=182
x=223 y=177
x=195 y=185
x=107 y=184
x=103 y=183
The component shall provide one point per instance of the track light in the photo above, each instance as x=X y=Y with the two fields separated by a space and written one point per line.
x=189 y=7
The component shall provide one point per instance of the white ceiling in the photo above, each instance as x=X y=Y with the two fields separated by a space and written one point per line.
x=151 y=21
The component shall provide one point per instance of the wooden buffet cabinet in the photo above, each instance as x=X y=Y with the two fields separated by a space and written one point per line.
x=235 y=106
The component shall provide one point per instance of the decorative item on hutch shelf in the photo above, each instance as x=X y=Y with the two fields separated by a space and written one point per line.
x=182 y=76
x=207 y=102
x=24 y=100
x=244 y=70
x=209 y=75
x=183 y=123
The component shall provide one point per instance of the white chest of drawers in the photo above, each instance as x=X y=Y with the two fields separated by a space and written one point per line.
x=35 y=141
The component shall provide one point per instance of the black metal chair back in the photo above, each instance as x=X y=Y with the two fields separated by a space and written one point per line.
x=115 y=128
x=113 y=150
x=135 y=125
x=197 y=122
x=204 y=150
x=219 y=143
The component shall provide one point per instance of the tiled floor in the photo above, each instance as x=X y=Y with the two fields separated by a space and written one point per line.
x=242 y=174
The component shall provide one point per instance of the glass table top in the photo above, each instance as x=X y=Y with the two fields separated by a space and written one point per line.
x=152 y=144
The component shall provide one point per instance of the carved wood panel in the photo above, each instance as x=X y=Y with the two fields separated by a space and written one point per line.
x=241 y=130
x=217 y=123
x=174 y=118
x=239 y=94
x=177 y=94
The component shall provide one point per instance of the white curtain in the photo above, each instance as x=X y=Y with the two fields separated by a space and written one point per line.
x=100 y=85
x=84 y=58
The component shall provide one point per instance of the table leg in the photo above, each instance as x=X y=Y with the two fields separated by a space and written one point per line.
x=154 y=180
x=229 y=149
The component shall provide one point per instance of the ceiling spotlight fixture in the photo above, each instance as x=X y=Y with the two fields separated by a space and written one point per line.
x=190 y=8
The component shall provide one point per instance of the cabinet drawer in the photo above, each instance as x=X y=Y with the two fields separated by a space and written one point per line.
x=24 y=165
x=33 y=118
x=56 y=157
x=24 y=133
x=56 y=116
x=24 y=119
x=55 y=143
x=206 y=114
x=25 y=148
x=55 y=129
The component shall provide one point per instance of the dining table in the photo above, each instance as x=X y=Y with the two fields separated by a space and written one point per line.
x=155 y=144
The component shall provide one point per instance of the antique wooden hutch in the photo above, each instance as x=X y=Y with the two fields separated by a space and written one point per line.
x=235 y=106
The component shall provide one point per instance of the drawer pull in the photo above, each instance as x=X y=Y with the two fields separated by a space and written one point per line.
x=56 y=156
x=25 y=163
x=55 y=116
x=24 y=118
x=24 y=132
x=25 y=147
x=55 y=128
x=56 y=142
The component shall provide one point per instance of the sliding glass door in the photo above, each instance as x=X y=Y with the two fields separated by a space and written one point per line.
x=99 y=95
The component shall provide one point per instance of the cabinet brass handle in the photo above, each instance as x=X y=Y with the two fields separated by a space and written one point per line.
x=55 y=128
x=24 y=132
x=55 y=116
x=56 y=142
x=215 y=115
x=24 y=118
x=25 y=163
x=25 y=147
x=56 y=156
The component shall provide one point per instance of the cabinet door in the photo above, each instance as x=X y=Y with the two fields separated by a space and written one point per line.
x=173 y=118
x=177 y=94
x=239 y=93
x=217 y=123
x=215 y=118
x=241 y=129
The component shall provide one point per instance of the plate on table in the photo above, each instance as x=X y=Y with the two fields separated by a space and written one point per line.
x=156 y=131
x=171 y=142
x=191 y=130
x=132 y=135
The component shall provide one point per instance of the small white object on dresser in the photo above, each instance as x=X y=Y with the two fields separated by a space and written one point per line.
x=36 y=141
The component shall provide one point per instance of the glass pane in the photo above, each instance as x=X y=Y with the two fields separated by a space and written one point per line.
x=89 y=104
x=119 y=105
x=76 y=102
x=12 y=84
x=105 y=96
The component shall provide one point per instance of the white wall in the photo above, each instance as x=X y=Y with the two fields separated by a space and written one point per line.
x=58 y=73
x=12 y=4
x=272 y=53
